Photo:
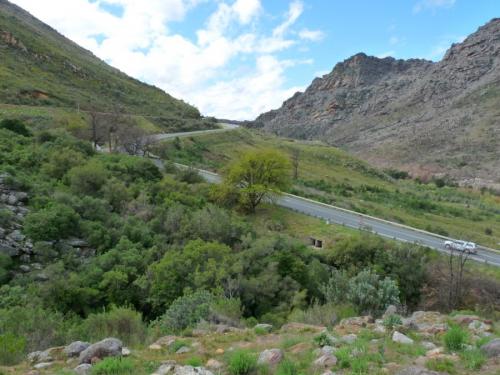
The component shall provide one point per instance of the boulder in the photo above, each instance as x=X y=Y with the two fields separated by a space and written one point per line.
x=109 y=347
x=430 y=322
x=418 y=370
x=219 y=351
x=155 y=347
x=427 y=345
x=478 y=326
x=327 y=349
x=39 y=357
x=83 y=369
x=42 y=365
x=356 y=322
x=183 y=350
x=492 y=349
x=75 y=348
x=301 y=327
x=263 y=327
x=465 y=319
x=349 y=339
x=391 y=310
x=325 y=361
x=214 y=364
x=169 y=368
x=126 y=352
x=270 y=357
x=401 y=338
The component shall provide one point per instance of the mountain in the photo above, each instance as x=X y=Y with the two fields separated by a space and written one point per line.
x=427 y=118
x=40 y=67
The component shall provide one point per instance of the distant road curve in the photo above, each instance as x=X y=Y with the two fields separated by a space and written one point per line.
x=348 y=218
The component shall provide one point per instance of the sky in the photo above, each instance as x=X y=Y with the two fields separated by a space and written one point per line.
x=235 y=59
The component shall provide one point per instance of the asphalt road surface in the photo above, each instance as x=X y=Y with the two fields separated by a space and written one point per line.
x=351 y=219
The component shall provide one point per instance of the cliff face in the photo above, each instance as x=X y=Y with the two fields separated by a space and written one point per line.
x=428 y=118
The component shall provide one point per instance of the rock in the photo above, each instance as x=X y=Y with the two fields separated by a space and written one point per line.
x=126 y=352
x=109 y=347
x=301 y=327
x=427 y=345
x=40 y=356
x=12 y=199
x=83 y=369
x=417 y=370
x=391 y=310
x=219 y=351
x=42 y=277
x=42 y=365
x=263 y=327
x=16 y=236
x=477 y=326
x=21 y=196
x=356 y=322
x=2 y=233
x=465 y=319
x=492 y=349
x=214 y=364
x=433 y=353
x=430 y=322
x=349 y=339
x=327 y=350
x=380 y=329
x=155 y=347
x=328 y=372
x=183 y=349
x=9 y=250
x=173 y=369
x=401 y=338
x=24 y=268
x=77 y=242
x=270 y=357
x=326 y=360
x=75 y=348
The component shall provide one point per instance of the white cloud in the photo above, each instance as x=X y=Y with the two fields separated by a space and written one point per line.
x=142 y=42
x=393 y=40
x=311 y=35
x=438 y=50
x=432 y=5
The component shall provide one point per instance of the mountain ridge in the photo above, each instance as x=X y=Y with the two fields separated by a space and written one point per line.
x=429 y=118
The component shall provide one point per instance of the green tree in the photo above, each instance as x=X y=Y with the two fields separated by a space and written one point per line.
x=88 y=179
x=258 y=175
x=56 y=221
x=16 y=126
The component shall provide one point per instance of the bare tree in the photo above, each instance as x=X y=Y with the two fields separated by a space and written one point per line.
x=295 y=157
x=456 y=268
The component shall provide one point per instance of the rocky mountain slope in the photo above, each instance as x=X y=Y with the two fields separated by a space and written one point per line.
x=39 y=66
x=424 y=117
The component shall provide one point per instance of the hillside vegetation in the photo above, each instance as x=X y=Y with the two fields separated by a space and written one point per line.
x=332 y=176
x=40 y=67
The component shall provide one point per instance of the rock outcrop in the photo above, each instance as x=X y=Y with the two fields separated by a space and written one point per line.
x=428 y=118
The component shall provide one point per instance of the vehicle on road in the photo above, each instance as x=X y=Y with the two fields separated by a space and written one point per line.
x=468 y=247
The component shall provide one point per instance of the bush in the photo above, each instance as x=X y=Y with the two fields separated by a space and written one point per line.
x=11 y=349
x=177 y=344
x=16 y=126
x=473 y=359
x=242 y=363
x=194 y=361
x=441 y=365
x=56 y=221
x=88 y=179
x=286 y=367
x=113 y=366
x=186 y=311
x=323 y=339
x=392 y=320
x=121 y=322
x=455 y=338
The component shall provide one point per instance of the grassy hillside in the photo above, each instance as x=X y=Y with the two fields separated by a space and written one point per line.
x=40 y=67
x=332 y=176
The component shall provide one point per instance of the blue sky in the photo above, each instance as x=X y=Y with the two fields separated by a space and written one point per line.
x=238 y=58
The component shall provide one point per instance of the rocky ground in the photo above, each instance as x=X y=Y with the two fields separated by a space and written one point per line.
x=415 y=345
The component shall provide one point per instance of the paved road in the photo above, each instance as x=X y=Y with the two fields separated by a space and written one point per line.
x=348 y=218
x=225 y=127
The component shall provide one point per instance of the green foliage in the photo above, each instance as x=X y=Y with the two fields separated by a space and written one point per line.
x=6 y=217
x=455 y=338
x=441 y=365
x=113 y=366
x=473 y=359
x=56 y=221
x=121 y=322
x=11 y=349
x=323 y=339
x=287 y=367
x=323 y=314
x=16 y=126
x=177 y=344
x=186 y=311
x=88 y=179
x=258 y=175
x=242 y=362
x=194 y=361
x=392 y=320
x=366 y=290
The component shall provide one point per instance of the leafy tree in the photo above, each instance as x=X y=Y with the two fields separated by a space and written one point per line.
x=56 y=221
x=258 y=175
x=61 y=161
x=16 y=126
x=88 y=179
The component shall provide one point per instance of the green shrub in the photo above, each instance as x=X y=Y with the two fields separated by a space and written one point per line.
x=194 y=361
x=242 y=362
x=177 y=344
x=11 y=349
x=392 y=320
x=441 y=365
x=121 y=322
x=327 y=314
x=186 y=311
x=323 y=339
x=473 y=359
x=6 y=217
x=286 y=367
x=16 y=126
x=56 y=221
x=113 y=366
x=455 y=338
x=260 y=331
x=343 y=355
